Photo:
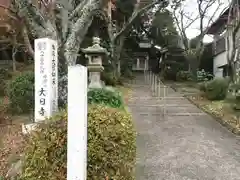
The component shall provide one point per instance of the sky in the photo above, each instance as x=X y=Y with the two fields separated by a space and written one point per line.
x=190 y=7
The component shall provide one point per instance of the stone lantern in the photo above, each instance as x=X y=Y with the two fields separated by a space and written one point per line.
x=94 y=55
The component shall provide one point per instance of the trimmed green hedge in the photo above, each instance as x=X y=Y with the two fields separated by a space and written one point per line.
x=216 y=89
x=111 y=147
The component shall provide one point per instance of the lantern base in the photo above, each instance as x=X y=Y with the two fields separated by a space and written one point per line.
x=95 y=80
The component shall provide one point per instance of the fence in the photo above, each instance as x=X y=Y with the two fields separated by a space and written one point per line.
x=172 y=103
x=6 y=63
x=158 y=89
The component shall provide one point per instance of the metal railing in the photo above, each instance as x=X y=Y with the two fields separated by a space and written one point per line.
x=158 y=89
x=163 y=96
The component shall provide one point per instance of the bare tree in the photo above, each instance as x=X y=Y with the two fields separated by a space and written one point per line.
x=202 y=18
x=68 y=22
x=13 y=32
x=118 y=34
x=233 y=29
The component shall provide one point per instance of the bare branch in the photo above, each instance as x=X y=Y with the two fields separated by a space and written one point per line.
x=137 y=12
x=191 y=21
x=214 y=13
x=40 y=27
x=77 y=11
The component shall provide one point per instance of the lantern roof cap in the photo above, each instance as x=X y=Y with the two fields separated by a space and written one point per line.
x=95 y=48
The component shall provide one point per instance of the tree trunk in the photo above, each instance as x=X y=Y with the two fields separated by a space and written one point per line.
x=27 y=42
x=79 y=30
x=14 y=51
x=14 y=62
x=117 y=54
x=193 y=65
x=119 y=67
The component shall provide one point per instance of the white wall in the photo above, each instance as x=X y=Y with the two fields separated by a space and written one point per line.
x=219 y=60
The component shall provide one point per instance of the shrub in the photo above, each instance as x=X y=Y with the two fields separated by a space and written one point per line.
x=4 y=74
x=106 y=97
x=234 y=95
x=109 y=79
x=216 y=89
x=2 y=86
x=21 y=93
x=202 y=86
x=169 y=74
x=184 y=76
x=111 y=147
x=204 y=76
x=127 y=73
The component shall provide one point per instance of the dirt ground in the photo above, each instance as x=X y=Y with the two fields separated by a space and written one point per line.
x=11 y=146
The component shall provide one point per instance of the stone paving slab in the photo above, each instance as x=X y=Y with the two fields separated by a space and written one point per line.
x=178 y=147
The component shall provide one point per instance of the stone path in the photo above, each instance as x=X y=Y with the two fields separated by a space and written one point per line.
x=185 y=144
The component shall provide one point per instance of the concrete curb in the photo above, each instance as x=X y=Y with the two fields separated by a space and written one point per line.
x=230 y=127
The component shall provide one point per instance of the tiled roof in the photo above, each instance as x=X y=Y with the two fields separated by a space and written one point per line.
x=221 y=21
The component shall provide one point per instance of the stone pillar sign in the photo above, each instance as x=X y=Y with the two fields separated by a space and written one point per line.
x=94 y=55
x=46 y=78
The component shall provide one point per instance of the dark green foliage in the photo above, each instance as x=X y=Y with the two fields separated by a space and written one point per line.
x=169 y=74
x=171 y=69
x=111 y=147
x=4 y=74
x=188 y=76
x=234 y=97
x=110 y=79
x=163 y=30
x=206 y=61
x=204 y=76
x=202 y=86
x=184 y=76
x=2 y=86
x=21 y=93
x=216 y=89
x=106 y=97
x=127 y=73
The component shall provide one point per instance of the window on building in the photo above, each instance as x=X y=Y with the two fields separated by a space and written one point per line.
x=220 y=45
x=225 y=71
x=141 y=62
